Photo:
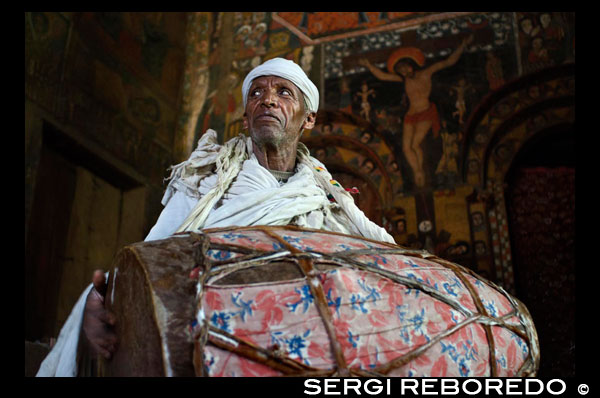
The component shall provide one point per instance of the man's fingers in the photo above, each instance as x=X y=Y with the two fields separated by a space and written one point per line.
x=99 y=282
x=106 y=347
x=97 y=326
x=108 y=344
x=102 y=351
x=107 y=317
x=111 y=318
x=111 y=340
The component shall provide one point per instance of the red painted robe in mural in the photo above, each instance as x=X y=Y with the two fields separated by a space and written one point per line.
x=431 y=114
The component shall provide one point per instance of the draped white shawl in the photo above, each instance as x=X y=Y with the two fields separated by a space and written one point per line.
x=242 y=192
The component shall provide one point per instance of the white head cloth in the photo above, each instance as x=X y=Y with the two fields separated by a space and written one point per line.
x=288 y=70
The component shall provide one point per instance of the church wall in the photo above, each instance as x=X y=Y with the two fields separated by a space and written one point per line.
x=113 y=81
x=448 y=212
x=104 y=89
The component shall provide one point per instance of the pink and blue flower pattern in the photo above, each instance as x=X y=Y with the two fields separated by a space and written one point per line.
x=376 y=319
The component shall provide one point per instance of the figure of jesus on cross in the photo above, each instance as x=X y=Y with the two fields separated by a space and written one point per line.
x=422 y=114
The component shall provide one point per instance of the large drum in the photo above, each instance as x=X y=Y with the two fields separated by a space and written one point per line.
x=273 y=301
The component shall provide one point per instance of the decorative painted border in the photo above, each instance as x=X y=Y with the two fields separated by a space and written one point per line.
x=412 y=23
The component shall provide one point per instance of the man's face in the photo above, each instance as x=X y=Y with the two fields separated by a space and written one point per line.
x=275 y=111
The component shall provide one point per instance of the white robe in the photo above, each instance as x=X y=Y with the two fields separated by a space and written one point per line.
x=255 y=197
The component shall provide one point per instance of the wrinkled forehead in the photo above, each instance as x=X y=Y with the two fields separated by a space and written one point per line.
x=274 y=80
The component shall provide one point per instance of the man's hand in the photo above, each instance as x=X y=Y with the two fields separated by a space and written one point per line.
x=97 y=321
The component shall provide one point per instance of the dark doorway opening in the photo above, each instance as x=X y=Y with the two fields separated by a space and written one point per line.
x=540 y=202
x=84 y=209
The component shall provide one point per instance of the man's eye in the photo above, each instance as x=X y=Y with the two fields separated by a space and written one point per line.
x=285 y=91
x=254 y=93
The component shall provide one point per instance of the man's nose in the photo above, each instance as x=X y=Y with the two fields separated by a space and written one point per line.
x=269 y=98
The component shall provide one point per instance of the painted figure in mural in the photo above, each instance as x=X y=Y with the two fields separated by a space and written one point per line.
x=534 y=92
x=401 y=226
x=473 y=166
x=459 y=249
x=327 y=128
x=321 y=154
x=398 y=228
x=460 y=90
x=477 y=221
x=241 y=36
x=493 y=71
x=442 y=242
x=364 y=94
x=538 y=55
x=552 y=28
x=255 y=41
x=367 y=167
x=217 y=107
x=38 y=22
x=307 y=58
x=422 y=114
x=528 y=28
x=345 y=96
x=382 y=119
x=365 y=137
x=43 y=45
x=447 y=168
x=268 y=178
x=479 y=247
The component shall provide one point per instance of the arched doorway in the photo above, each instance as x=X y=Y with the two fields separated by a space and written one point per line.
x=540 y=202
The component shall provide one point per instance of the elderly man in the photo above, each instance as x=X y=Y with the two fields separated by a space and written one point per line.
x=268 y=178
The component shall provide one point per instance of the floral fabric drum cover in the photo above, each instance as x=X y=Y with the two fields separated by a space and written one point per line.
x=277 y=301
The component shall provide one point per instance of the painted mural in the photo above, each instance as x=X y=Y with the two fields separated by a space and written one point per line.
x=545 y=39
x=319 y=26
x=400 y=92
x=115 y=79
x=418 y=87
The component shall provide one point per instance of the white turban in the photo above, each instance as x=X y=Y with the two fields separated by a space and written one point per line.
x=288 y=70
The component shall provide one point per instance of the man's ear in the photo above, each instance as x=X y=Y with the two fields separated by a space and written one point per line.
x=310 y=120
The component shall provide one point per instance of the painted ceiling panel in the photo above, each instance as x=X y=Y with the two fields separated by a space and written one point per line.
x=318 y=27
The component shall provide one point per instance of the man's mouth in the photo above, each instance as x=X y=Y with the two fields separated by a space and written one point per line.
x=267 y=116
